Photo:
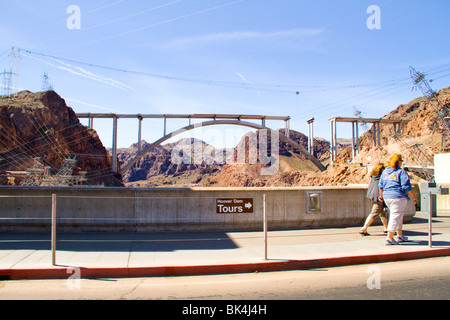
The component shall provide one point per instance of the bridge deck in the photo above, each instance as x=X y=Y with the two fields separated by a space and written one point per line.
x=181 y=116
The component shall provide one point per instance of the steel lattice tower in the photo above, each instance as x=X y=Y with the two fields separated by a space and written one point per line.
x=442 y=111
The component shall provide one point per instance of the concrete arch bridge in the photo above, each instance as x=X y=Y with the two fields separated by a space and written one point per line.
x=211 y=120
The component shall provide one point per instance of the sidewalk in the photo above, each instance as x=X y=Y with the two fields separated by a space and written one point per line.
x=106 y=255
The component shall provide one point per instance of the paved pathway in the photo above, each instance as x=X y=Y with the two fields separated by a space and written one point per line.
x=28 y=256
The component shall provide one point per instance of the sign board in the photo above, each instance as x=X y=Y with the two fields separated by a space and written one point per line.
x=234 y=205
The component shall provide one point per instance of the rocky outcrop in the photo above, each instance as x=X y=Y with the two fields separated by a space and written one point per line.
x=41 y=126
x=420 y=138
x=158 y=167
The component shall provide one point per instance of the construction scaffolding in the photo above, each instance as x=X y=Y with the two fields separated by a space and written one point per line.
x=376 y=134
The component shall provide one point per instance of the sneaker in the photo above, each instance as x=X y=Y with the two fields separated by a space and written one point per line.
x=402 y=239
x=391 y=242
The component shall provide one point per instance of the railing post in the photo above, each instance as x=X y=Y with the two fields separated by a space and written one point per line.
x=265 y=227
x=430 y=220
x=115 y=167
x=54 y=229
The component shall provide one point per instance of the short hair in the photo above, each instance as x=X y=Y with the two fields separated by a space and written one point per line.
x=393 y=160
x=377 y=170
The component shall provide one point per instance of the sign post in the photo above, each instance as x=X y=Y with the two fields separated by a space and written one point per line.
x=430 y=221
x=265 y=227
x=54 y=229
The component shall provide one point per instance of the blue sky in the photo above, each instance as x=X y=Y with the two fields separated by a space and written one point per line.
x=227 y=56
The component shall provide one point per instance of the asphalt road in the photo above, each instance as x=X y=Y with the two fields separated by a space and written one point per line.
x=423 y=279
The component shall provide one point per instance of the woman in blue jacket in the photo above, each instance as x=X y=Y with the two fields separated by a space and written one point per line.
x=395 y=189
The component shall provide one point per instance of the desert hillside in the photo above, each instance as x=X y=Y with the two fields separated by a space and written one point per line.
x=157 y=169
x=43 y=143
x=419 y=140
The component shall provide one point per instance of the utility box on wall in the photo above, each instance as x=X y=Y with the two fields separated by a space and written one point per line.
x=428 y=195
x=313 y=201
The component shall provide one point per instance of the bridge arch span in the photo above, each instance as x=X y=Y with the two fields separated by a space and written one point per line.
x=221 y=122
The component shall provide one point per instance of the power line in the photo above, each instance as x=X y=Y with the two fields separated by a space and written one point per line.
x=160 y=76
x=378 y=93
x=280 y=88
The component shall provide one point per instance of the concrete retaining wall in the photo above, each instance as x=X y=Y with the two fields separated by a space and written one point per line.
x=179 y=209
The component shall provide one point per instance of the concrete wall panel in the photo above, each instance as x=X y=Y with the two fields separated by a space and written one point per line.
x=178 y=209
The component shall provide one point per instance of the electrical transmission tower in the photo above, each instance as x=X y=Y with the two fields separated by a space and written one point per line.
x=7 y=83
x=46 y=86
x=364 y=123
x=36 y=174
x=418 y=151
x=40 y=175
x=18 y=58
x=11 y=67
x=64 y=177
x=442 y=111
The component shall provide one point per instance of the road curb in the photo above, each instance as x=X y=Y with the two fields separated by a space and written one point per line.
x=64 y=272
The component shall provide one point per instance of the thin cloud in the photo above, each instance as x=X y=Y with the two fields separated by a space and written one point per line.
x=87 y=74
x=245 y=80
x=83 y=73
x=110 y=81
x=240 y=36
x=93 y=105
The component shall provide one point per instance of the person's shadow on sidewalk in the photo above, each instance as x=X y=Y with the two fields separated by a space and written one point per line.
x=436 y=243
x=415 y=242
